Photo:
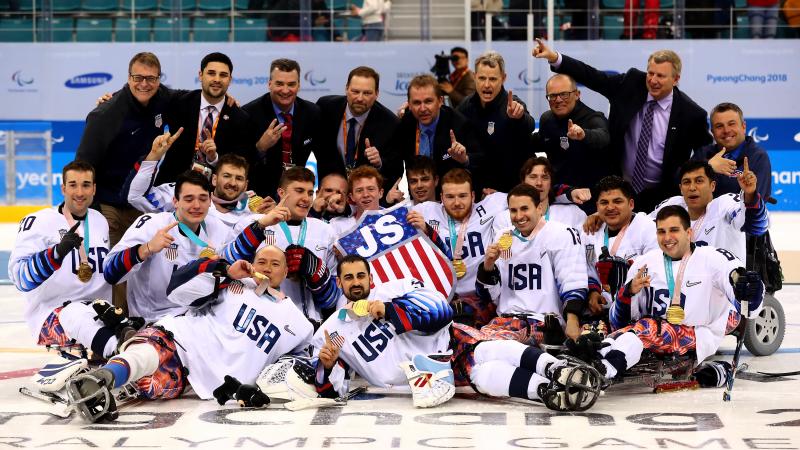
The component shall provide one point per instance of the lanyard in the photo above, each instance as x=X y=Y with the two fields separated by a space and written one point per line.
x=301 y=238
x=698 y=225
x=83 y=250
x=416 y=146
x=547 y=214
x=675 y=292
x=191 y=234
x=457 y=240
x=617 y=241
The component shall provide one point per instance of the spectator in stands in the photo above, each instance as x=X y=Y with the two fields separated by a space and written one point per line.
x=119 y=132
x=705 y=19
x=654 y=126
x=462 y=81
x=763 y=18
x=574 y=136
x=732 y=145
x=791 y=12
x=433 y=129
x=501 y=122
x=577 y=28
x=372 y=14
x=210 y=126
x=356 y=129
x=630 y=18
x=286 y=18
x=286 y=128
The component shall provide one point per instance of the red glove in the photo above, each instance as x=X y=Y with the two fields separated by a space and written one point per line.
x=294 y=257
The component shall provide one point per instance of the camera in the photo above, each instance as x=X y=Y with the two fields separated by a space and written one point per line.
x=441 y=68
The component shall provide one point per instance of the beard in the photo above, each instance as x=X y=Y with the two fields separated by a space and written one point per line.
x=360 y=293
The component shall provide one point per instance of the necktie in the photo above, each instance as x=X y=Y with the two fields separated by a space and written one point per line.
x=208 y=124
x=645 y=136
x=426 y=145
x=286 y=140
x=350 y=155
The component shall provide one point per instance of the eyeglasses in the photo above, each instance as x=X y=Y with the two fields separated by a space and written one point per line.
x=561 y=95
x=152 y=79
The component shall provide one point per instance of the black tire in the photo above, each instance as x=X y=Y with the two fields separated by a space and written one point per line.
x=765 y=332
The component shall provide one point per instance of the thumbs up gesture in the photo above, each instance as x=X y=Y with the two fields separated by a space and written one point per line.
x=457 y=151
x=514 y=109
x=574 y=131
x=373 y=155
x=721 y=164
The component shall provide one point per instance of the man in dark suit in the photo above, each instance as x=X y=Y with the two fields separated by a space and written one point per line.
x=356 y=129
x=429 y=128
x=211 y=127
x=654 y=126
x=285 y=128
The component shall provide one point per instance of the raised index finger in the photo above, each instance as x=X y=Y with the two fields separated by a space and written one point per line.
x=510 y=98
x=170 y=226
x=397 y=183
x=746 y=165
x=327 y=337
x=452 y=137
x=74 y=227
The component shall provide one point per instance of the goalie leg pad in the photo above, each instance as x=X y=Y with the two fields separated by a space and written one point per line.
x=432 y=382
x=290 y=378
x=54 y=375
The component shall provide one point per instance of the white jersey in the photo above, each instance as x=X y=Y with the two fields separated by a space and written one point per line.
x=721 y=226
x=540 y=275
x=639 y=238
x=706 y=293
x=477 y=236
x=319 y=238
x=147 y=287
x=566 y=213
x=47 y=285
x=238 y=336
x=342 y=224
x=374 y=348
x=152 y=199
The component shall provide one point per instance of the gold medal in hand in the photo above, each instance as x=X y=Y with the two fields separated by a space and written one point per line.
x=461 y=268
x=84 y=272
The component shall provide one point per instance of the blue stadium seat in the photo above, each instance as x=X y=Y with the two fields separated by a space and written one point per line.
x=27 y=5
x=242 y=4
x=62 y=30
x=16 y=30
x=123 y=30
x=740 y=4
x=140 y=5
x=742 y=30
x=336 y=4
x=66 y=5
x=614 y=4
x=214 y=5
x=100 y=5
x=185 y=5
x=211 y=30
x=249 y=30
x=93 y=30
x=667 y=4
x=613 y=26
x=163 y=30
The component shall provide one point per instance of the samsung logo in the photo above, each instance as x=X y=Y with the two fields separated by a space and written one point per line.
x=88 y=80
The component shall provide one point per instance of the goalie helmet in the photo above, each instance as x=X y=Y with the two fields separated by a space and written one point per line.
x=574 y=386
x=290 y=378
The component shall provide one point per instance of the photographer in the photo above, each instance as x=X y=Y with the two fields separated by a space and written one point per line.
x=461 y=82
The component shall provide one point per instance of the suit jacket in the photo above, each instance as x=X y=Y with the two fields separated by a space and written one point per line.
x=627 y=93
x=184 y=111
x=449 y=119
x=267 y=167
x=379 y=128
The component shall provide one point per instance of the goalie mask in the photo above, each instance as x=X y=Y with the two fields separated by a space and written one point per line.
x=290 y=378
x=90 y=395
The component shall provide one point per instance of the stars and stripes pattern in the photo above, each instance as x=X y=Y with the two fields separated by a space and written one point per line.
x=337 y=339
x=171 y=252
x=269 y=237
x=413 y=255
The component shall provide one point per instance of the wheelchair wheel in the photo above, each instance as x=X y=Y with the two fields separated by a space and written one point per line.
x=765 y=332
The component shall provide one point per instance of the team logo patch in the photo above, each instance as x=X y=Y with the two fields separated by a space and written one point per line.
x=505 y=254
x=337 y=339
x=396 y=250
x=564 y=142
x=236 y=287
x=269 y=237
x=591 y=256
x=490 y=128
x=171 y=252
x=434 y=224
x=158 y=121
x=62 y=233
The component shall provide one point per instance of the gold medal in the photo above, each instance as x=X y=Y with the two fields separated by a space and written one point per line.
x=361 y=308
x=675 y=314
x=260 y=276
x=461 y=268
x=84 y=272
x=208 y=252
x=505 y=241
x=254 y=202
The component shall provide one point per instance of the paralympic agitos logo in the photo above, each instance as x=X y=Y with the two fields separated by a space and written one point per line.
x=20 y=79
x=88 y=80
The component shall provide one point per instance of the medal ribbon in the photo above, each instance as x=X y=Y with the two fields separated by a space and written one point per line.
x=301 y=238
x=457 y=239
x=539 y=226
x=416 y=145
x=617 y=241
x=673 y=284
x=191 y=234
x=84 y=249
x=698 y=225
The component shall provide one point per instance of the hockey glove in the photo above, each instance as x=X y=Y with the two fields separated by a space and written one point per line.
x=748 y=286
x=612 y=271
x=247 y=395
x=294 y=258
x=713 y=374
x=313 y=270
x=71 y=240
